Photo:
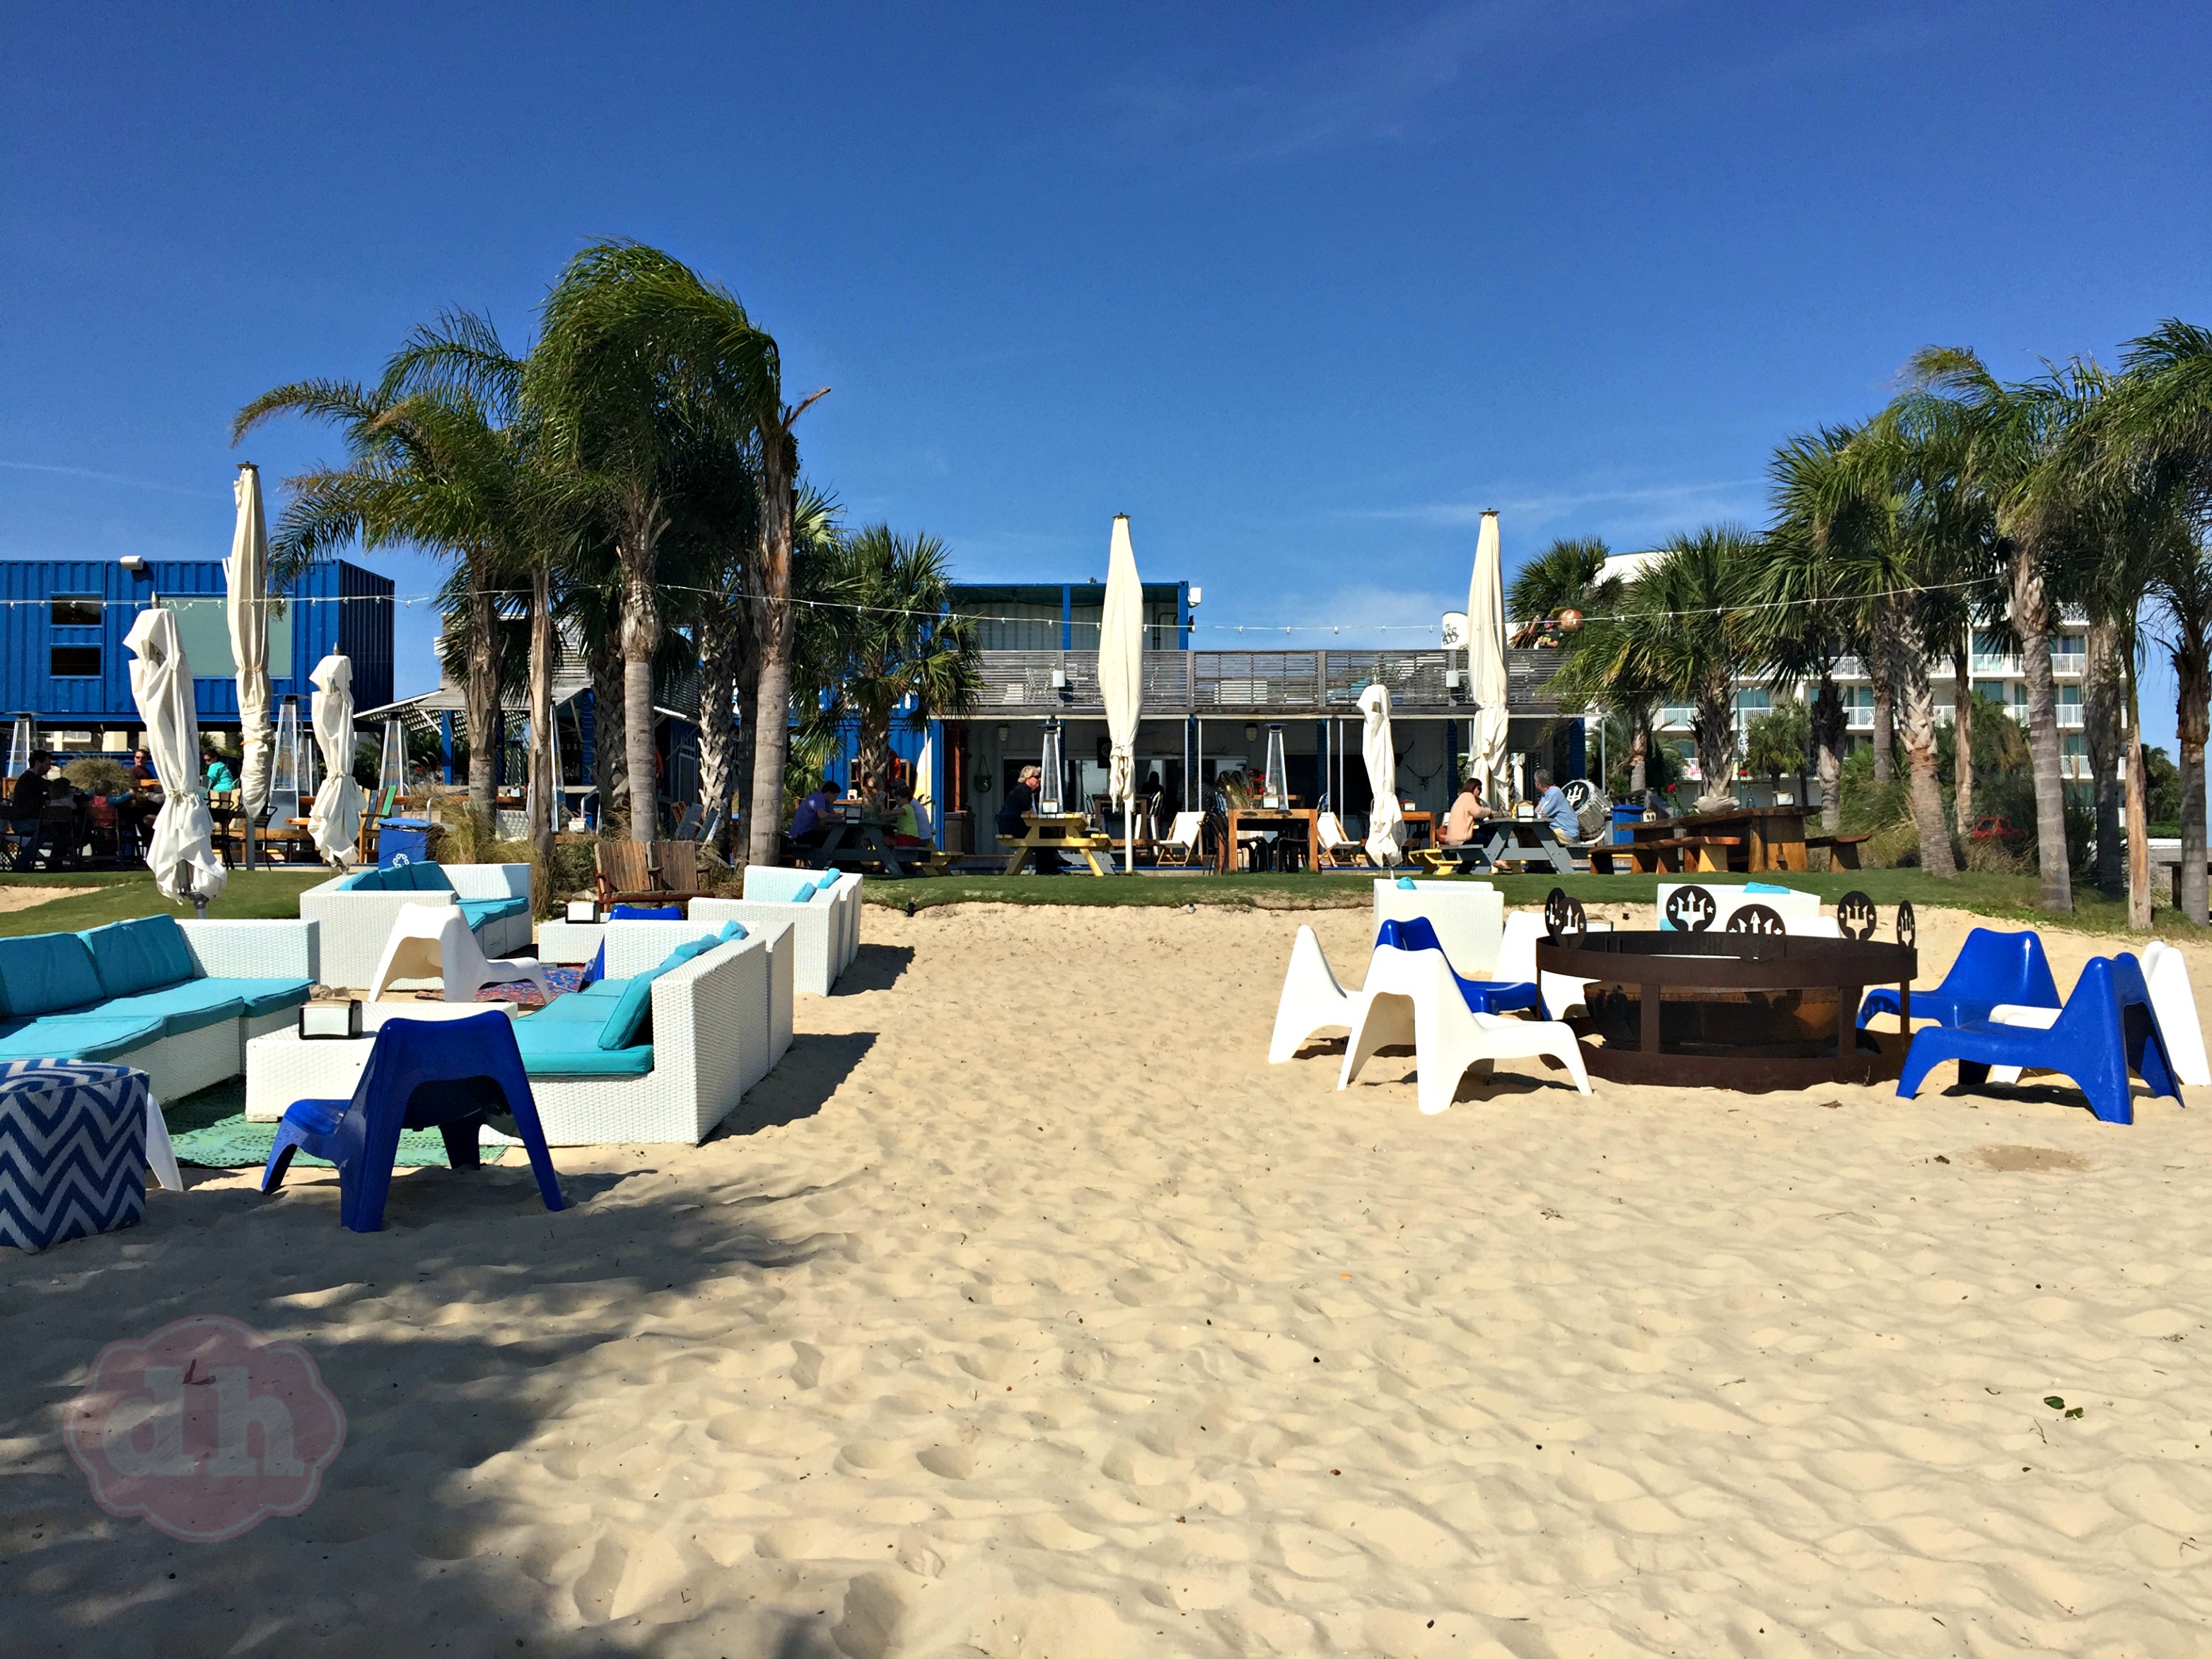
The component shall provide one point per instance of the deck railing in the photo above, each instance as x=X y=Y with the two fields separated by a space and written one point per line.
x=1255 y=683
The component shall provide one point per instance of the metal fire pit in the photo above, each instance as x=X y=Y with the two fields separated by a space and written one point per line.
x=1732 y=1011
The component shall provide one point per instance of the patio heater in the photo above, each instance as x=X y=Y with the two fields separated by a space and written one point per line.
x=1275 y=789
x=1051 y=786
x=284 y=766
x=391 y=773
x=310 y=771
x=20 y=746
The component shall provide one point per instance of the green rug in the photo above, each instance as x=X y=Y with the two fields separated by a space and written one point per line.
x=232 y=1143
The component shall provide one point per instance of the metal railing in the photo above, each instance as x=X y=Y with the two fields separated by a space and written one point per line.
x=1317 y=683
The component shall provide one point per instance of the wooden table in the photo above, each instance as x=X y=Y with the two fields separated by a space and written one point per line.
x=1274 y=817
x=1058 y=832
x=1420 y=828
x=1768 y=838
x=864 y=842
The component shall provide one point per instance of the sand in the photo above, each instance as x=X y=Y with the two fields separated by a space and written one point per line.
x=1027 y=1311
x=22 y=895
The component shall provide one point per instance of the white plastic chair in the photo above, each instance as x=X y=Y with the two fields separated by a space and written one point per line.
x=1312 y=1001
x=430 y=941
x=2175 y=1005
x=1411 y=996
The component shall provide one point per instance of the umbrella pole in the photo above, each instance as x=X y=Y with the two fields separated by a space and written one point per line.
x=1129 y=834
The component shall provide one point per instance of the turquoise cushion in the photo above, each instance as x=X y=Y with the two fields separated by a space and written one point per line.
x=1405 y=882
x=577 y=1007
x=601 y=989
x=362 y=881
x=632 y=1012
x=266 y=996
x=138 y=955
x=731 y=930
x=46 y=974
x=684 y=953
x=424 y=878
x=75 y=1036
x=190 y=1006
x=566 y=1048
x=805 y=893
x=1763 y=887
x=480 y=911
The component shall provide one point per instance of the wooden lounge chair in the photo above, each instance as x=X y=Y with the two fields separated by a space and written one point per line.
x=625 y=873
x=1182 y=842
x=1338 y=850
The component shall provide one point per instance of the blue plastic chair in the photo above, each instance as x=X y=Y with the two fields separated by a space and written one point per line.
x=646 y=912
x=1991 y=967
x=1484 y=996
x=422 y=1074
x=2107 y=1030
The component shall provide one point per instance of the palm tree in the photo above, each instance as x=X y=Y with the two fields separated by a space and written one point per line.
x=889 y=642
x=437 y=471
x=1568 y=575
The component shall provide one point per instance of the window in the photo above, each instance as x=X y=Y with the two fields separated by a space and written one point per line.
x=76 y=610
x=2068 y=650
x=1753 y=701
x=204 y=635
x=75 y=662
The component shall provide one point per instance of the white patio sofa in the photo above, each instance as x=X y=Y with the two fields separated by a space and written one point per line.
x=1469 y=917
x=721 y=1024
x=357 y=911
x=826 y=930
x=166 y=1022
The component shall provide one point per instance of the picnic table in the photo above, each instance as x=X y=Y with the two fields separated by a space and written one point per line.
x=865 y=843
x=1058 y=832
x=1523 y=842
x=1751 y=840
x=1285 y=819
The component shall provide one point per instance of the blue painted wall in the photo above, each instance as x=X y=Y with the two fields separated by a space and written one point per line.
x=333 y=606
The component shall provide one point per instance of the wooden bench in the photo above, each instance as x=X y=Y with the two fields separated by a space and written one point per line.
x=623 y=875
x=1674 y=854
x=1843 y=850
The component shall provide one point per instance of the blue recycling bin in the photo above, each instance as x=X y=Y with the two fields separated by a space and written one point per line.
x=1622 y=817
x=402 y=841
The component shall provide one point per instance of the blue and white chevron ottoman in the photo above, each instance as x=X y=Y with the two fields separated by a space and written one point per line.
x=72 y=1150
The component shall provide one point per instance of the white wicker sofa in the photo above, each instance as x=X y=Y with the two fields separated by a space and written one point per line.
x=356 y=910
x=825 y=929
x=131 y=994
x=720 y=1023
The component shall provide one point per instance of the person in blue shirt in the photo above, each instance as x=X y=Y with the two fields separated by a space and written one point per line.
x=1553 y=807
x=809 y=823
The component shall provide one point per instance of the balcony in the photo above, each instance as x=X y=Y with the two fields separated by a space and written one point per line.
x=1259 y=683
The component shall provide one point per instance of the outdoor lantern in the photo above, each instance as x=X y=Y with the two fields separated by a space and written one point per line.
x=1250 y=733
x=1277 y=788
x=391 y=773
x=20 y=746
x=284 y=768
x=1050 y=786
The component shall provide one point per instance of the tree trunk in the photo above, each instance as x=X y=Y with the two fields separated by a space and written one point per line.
x=544 y=736
x=1715 y=732
x=775 y=620
x=2192 y=715
x=609 y=764
x=873 y=752
x=1962 y=737
x=2138 y=805
x=1885 y=726
x=1908 y=672
x=748 y=728
x=640 y=638
x=2031 y=619
x=481 y=693
x=719 y=625
x=1828 y=753
x=2102 y=736
x=1639 y=750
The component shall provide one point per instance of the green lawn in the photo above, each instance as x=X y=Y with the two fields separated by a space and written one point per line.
x=2011 y=898
x=247 y=897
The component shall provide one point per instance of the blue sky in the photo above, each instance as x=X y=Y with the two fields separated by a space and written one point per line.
x=1300 y=288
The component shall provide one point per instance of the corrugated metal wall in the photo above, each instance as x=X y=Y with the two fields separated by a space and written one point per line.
x=323 y=618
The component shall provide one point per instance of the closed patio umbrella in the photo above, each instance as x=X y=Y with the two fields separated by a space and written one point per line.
x=925 y=783
x=335 y=818
x=1386 y=821
x=1486 y=652
x=181 y=853
x=1122 y=674
x=245 y=582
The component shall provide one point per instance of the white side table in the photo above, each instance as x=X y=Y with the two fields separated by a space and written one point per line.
x=281 y=1068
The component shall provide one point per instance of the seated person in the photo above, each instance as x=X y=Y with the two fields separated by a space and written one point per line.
x=220 y=778
x=27 y=804
x=1554 y=807
x=1466 y=812
x=1020 y=799
x=140 y=769
x=809 y=823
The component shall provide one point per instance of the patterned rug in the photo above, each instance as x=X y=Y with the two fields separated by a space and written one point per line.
x=562 y=980
x=232 y=1143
